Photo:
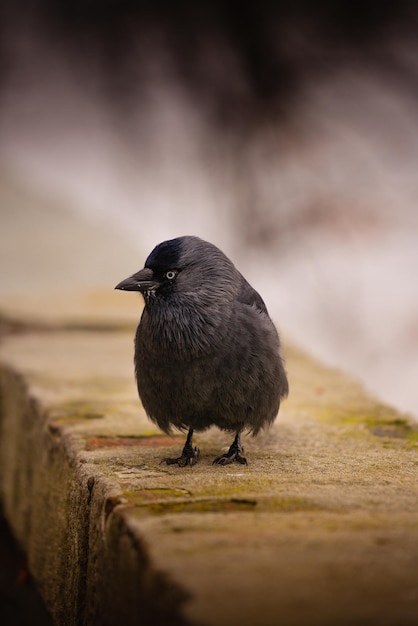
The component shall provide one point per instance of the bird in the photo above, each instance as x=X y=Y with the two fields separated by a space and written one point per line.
x=206 y=351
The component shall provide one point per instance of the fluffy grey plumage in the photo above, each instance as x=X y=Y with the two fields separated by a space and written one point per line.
x=206 y=350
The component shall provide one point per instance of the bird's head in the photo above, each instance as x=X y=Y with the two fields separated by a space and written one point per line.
x=185 y=269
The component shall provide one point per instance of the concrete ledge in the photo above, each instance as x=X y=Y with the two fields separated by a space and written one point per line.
x=321 y=528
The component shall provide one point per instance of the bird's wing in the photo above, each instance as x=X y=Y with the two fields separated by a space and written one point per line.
x=251 y=297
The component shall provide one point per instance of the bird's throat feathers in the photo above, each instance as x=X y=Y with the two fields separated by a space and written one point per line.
x=184 y=325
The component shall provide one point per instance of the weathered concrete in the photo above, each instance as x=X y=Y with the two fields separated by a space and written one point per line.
x=320 y=528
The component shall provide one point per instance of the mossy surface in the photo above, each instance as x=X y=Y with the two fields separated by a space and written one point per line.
x=319 y=528
x=210 y=505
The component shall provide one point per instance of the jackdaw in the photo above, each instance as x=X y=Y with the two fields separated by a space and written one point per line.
x=206 y=350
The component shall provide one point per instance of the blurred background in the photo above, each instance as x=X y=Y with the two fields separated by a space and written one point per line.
x=284 y=132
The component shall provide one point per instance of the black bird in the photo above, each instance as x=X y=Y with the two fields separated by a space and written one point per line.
x=206 y=350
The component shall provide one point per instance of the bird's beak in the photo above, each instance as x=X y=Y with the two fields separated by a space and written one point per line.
x=142 y=281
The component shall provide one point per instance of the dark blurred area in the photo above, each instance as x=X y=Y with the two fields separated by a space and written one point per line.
x=241 y=61
x=20 y=603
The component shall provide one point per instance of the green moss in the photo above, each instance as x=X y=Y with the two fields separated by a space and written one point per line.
x=163 y=501
x=76 y=418
x=412 y=438
x=74 y=411
x=377 y=419
x=399 y=428
x=293 y=504
x=196 y=506
x=159 y=439
x=155 y=494
x=227 y=487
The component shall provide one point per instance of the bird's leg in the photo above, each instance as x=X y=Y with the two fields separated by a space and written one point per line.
x=233 y=454
x=189 y=456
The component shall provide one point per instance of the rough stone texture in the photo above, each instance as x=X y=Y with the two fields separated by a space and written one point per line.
x=320 y=528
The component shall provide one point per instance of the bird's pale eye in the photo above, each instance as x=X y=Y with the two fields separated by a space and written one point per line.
x=171 y=274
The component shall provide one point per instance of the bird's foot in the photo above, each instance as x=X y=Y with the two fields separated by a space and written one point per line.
x=233 y=454
x=189 y=456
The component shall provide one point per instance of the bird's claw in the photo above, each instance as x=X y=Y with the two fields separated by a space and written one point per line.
x=189 y=456
x=230 y=457
x=233 y=454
